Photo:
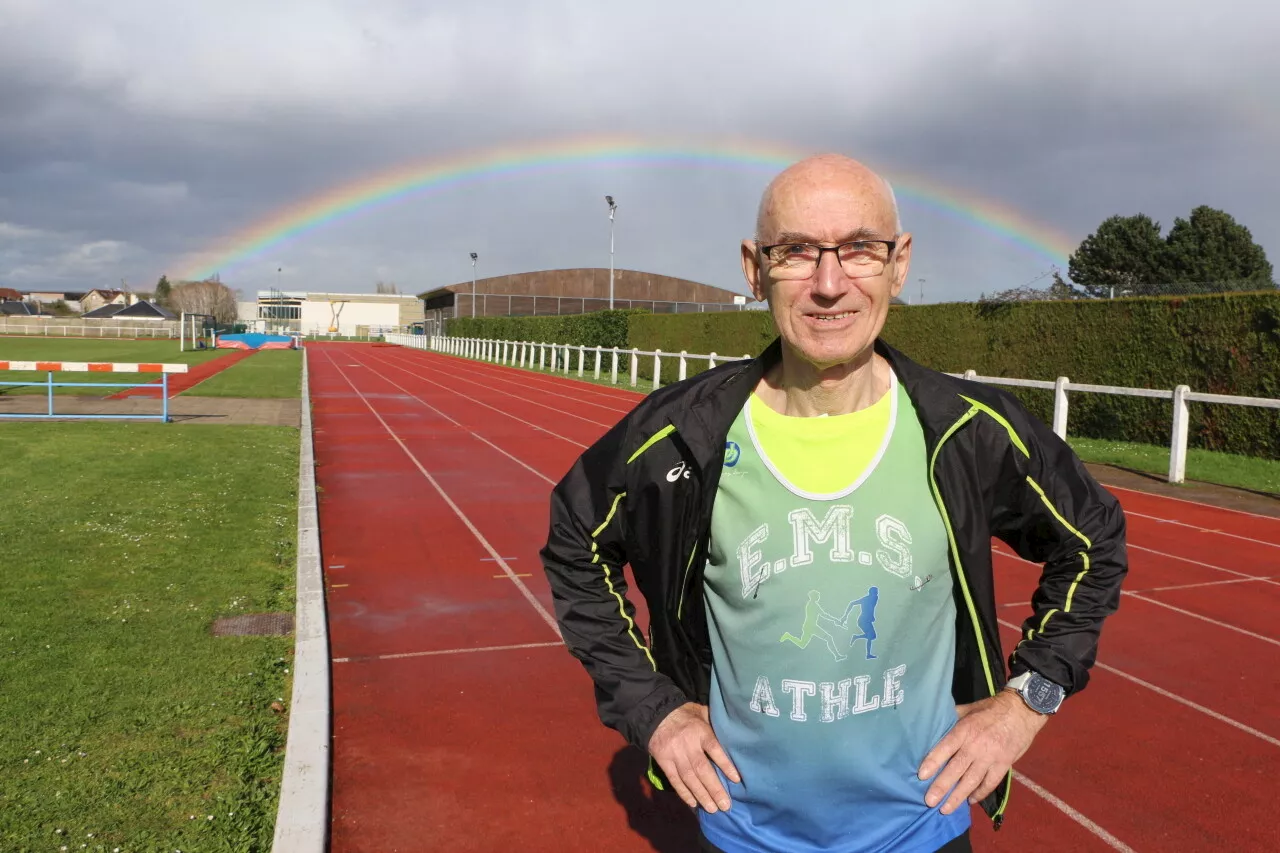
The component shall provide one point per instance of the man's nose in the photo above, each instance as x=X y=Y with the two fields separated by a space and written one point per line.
x=830 y=282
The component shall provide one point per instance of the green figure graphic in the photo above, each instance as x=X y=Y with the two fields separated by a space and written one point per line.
x=812 y=613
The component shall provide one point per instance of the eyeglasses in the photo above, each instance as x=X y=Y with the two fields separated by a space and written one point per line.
x=858 y=259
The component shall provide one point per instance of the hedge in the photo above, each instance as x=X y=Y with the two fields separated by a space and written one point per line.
x=601 y=329
x=1219 y=343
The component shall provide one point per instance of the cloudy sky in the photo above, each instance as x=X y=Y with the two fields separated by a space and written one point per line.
x=140 y=137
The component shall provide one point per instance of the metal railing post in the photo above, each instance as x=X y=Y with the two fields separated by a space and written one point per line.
x=711 y=361
x=542 y=356
x=164 y=397
x=598 y=361
x=1060 y=407
x=684 y=366
x=635 y=364
x=50 y=393
x=657 y=368
x=582 y=357
x=1181 y=425
x=613 y=375
x=970 y=374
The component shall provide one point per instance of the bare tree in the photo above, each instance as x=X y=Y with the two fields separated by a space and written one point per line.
x=387 y=288
x=204 y=297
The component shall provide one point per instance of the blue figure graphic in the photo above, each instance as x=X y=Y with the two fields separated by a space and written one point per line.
x=866 y=619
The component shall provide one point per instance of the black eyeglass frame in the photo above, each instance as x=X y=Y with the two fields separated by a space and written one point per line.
x=891 y=244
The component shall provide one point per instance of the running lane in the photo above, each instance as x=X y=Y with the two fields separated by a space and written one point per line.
x=460 y=723
x=421 y=720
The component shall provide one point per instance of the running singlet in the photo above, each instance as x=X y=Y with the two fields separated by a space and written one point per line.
x=833 y=636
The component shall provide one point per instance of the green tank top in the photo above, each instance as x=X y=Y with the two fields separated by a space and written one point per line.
x=833 y=638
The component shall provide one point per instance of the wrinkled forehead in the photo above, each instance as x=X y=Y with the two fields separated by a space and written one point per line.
x=826 y=208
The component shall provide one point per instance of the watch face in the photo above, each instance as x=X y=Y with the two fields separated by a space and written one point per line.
x=1042 y=694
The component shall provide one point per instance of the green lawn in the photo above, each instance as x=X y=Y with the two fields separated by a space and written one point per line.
x=269 y=373
x=123 y=721
x=1225 y=469
x=88 y=349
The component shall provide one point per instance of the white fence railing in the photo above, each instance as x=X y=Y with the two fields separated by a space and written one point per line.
x=86 y=331
x=559 y=358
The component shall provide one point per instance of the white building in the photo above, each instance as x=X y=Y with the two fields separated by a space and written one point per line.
x=319 y=314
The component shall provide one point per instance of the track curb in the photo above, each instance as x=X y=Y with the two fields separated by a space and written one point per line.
x=302 y=820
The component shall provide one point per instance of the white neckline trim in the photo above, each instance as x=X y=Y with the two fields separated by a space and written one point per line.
x=862 y=478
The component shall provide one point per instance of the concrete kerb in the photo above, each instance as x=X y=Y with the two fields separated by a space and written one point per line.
x=302 y=820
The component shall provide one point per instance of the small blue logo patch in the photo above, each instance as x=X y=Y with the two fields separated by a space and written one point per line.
x=732 y=453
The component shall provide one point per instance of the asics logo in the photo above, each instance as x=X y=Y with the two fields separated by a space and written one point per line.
x=676 y=472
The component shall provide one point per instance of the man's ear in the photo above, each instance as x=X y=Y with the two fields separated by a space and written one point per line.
x=751 y=270
x=901 y=264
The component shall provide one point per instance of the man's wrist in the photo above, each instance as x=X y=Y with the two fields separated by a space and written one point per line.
x=1040 y=695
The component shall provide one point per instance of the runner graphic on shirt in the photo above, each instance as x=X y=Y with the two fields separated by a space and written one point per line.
x=812 y=613
x=866 y=619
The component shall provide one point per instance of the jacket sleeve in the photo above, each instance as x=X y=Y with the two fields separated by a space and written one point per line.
x=1054 y=512
x=583 y=560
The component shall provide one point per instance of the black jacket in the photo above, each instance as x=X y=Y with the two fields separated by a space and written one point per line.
x=643 y=495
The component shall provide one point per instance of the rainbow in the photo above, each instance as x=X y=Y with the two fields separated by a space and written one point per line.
x=441 y=174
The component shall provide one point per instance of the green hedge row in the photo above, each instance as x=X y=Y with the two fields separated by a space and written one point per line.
x=1221 y=343
x=602 y=329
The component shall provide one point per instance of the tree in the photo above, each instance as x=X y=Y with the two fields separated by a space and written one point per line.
x=204 y=297
x=163 y=291
x=1124 y=254
x=1214 y=252
x=388 y=287
x=1208 y=253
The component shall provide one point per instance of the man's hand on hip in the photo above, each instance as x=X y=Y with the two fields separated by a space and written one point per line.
x=681 y=745
x=979 y=750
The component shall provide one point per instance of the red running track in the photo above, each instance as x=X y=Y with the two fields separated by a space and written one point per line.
x=461 y=724
x=179 y=382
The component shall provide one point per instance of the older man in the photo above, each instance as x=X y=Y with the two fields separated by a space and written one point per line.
x=812 y=533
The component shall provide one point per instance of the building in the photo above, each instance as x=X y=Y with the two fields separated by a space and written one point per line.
x=140 y=310
x=96 y=298
x=577 y=291
x=346 y=314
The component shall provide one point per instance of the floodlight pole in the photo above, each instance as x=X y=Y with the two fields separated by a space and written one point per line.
x=474 y=257
x=612 y=207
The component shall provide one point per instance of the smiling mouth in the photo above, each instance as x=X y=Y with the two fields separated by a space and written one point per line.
x=826 y=318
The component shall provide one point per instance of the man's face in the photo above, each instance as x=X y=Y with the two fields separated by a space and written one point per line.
x=828 y=317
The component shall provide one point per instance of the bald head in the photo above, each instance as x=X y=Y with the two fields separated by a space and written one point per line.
x=808 y=190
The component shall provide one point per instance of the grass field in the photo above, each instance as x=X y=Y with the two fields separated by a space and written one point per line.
x=123 y=722
x=269 y=373
x=1224 y=469
x=88 y=349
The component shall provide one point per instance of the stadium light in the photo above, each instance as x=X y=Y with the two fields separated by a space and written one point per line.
x=612 y=207
x=474 y=256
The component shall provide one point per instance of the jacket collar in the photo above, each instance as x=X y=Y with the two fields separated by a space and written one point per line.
x=704 y=421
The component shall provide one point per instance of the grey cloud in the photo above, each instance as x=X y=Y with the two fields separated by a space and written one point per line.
x=159 y=129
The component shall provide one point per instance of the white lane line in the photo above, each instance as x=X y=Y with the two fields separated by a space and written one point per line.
x=462 y=516
x=1193 y=615
x=524 y=399
x=1181 y=700
x=1204 y=584
x=1098 y=832
x=1160 y=520
x=1193 y=503
x=1196 y=562
x=609 y=392
x=449 y=652
x=494 y=377
x=487 y=406
x=472 y=432
x=1167 y=588
x=1140 y=597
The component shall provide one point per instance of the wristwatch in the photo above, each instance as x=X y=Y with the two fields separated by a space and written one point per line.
x=1040 y=694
